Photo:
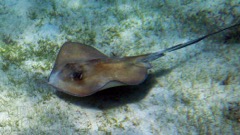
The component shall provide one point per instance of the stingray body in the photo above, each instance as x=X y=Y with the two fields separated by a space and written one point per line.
x=81 y=70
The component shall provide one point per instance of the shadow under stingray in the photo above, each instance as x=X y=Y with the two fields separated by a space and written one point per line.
x=112 y=97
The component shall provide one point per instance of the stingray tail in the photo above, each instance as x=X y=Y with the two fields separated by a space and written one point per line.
x=156 y=55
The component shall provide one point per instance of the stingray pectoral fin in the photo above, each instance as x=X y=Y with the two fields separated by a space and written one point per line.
x=129 y=74
x=74 y=89
x=144 y=64
x=111 y=84
x=128 y=79
x=66 y=85
x=72 y=52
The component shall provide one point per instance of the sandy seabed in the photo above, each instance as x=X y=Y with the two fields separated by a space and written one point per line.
x=195 y=90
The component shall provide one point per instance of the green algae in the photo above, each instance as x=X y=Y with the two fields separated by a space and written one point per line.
x=84 y=35
x=17 y=54
x=12 y=54
x=14 y=57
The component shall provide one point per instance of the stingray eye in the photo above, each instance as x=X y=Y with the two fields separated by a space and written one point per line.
x=76 y=75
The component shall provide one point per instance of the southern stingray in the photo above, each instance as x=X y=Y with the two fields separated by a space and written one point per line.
x=82 y=70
